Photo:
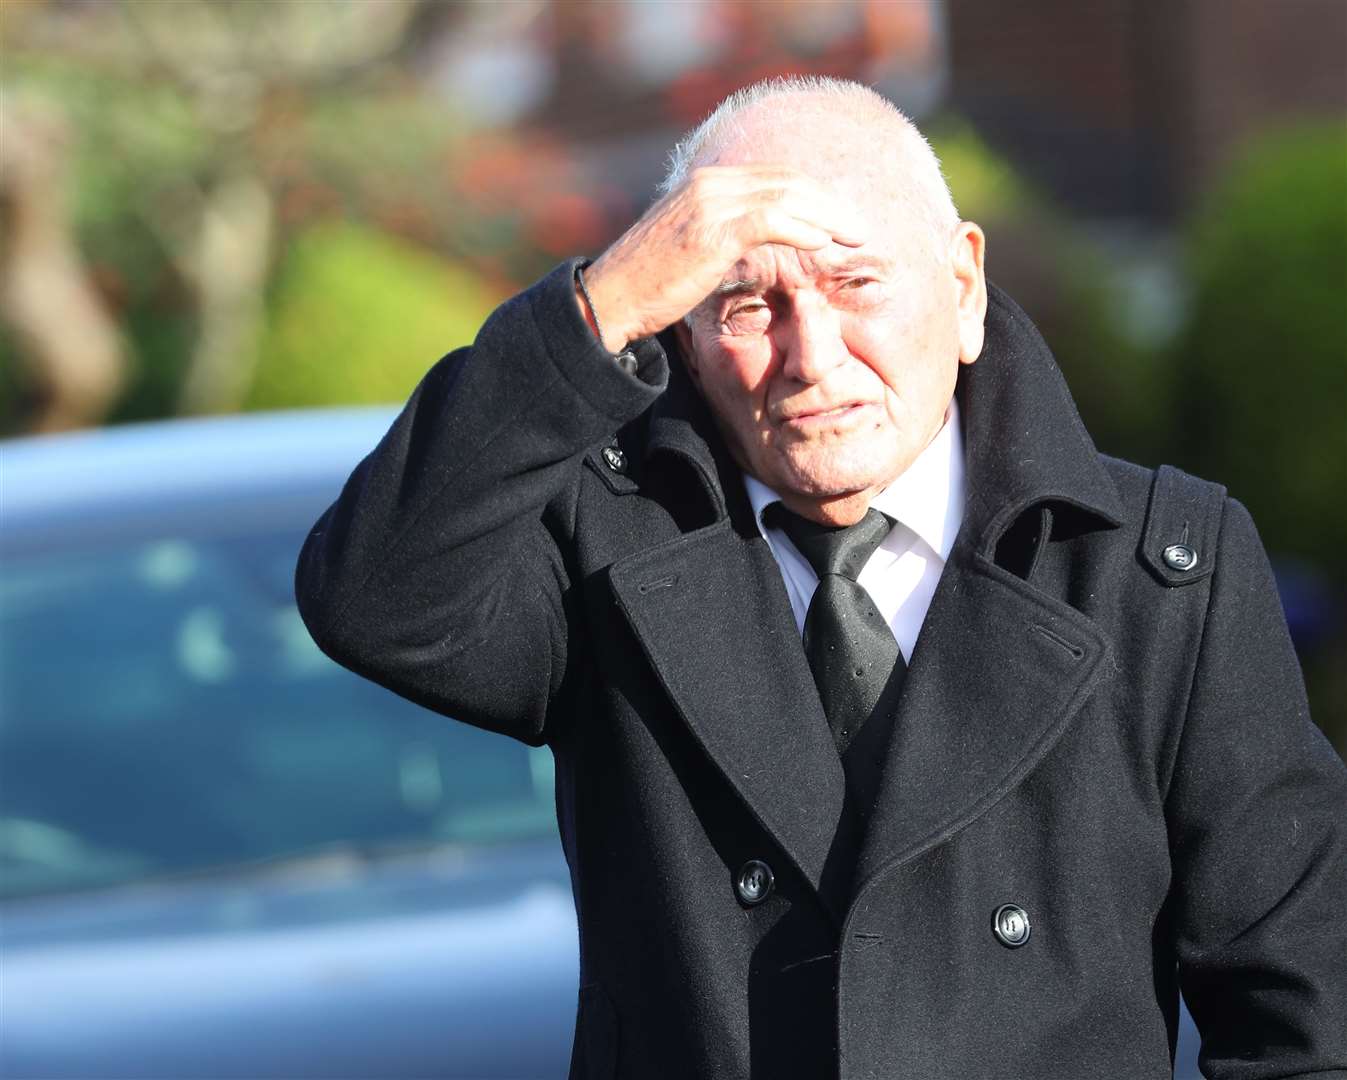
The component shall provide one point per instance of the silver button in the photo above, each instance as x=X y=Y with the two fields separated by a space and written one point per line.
x=754 y=883
x=1179 y=557
x=1010 y=924
x=615 y=459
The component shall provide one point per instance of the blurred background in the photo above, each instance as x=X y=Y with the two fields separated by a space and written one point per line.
x=213 y=208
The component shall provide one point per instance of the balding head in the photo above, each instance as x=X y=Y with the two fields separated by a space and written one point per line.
x=838 y=131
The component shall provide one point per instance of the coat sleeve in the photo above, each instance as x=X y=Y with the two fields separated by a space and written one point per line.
x=1258 y=826
x=442 y=570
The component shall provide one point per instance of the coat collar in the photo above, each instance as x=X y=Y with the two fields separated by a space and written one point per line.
x=1000 y=667
x=683 y=433
x=1024 y=440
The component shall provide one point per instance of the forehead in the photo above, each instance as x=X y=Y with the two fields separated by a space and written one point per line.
x=780 y=266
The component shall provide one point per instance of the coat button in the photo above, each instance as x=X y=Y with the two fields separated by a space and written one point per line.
x=615 y=459
x=1179 y=557
x=754 y=883
x=1010 y=924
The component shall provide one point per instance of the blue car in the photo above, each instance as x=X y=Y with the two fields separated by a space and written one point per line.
x=221 y=855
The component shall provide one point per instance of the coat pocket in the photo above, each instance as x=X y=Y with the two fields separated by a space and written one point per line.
x=594 y=1055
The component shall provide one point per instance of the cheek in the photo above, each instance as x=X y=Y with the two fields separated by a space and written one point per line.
x=880 y=349
x=735 y=373
x=912 y=358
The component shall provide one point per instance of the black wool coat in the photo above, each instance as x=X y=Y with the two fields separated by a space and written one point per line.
x=551 y=547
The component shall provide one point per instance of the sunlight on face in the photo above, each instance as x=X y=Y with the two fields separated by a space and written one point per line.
x=830 y=371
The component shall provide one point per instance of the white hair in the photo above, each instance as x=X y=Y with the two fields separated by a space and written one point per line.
x=922 y=183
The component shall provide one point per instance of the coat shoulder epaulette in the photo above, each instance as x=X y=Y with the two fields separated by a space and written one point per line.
x=1183 y=518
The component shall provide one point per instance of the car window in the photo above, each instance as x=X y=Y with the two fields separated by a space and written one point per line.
x=163 y=710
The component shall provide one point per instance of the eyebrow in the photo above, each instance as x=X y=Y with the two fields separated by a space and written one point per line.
x=741 y=286
x=737 y=287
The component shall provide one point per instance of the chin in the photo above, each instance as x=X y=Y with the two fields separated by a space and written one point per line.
x=828 y=479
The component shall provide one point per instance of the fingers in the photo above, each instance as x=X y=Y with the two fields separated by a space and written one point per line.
x=821 y=213
x=750 y=190
x=768 y=225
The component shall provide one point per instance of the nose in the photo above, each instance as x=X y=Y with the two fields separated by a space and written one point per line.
x=810 y=342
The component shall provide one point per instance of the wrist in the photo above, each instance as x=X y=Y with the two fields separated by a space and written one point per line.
x=585 y=312
x=611 y=338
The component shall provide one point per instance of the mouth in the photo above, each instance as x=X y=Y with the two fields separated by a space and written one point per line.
x=843 y=413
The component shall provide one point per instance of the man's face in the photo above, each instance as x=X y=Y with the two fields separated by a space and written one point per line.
x=830 y=371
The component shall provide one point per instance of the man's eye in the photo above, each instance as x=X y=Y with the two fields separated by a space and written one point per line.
x=857 y=282
x=750 y=318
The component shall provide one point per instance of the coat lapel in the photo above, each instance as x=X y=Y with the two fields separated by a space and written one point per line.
x=712 y=617
x=997 y=675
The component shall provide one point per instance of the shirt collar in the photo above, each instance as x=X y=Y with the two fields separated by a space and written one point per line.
x=928 y=497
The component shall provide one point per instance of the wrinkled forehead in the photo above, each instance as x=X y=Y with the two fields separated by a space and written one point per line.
x=778 y=266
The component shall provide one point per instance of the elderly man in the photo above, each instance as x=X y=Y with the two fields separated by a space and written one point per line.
x=897 y=731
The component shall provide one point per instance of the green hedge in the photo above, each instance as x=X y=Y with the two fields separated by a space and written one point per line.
x=1261 y=364
x=357 y=316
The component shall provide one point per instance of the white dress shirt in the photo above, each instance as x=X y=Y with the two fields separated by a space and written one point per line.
x=927 y=503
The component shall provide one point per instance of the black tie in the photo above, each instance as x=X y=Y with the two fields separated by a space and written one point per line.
x=851 y=650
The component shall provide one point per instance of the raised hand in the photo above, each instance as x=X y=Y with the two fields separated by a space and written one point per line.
x=681 y=248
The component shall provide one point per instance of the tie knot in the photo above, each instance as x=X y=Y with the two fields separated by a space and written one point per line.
x=832 y=549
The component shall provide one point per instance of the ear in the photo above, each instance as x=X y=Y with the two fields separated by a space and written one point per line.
x=683 y=335
x=966 y=253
